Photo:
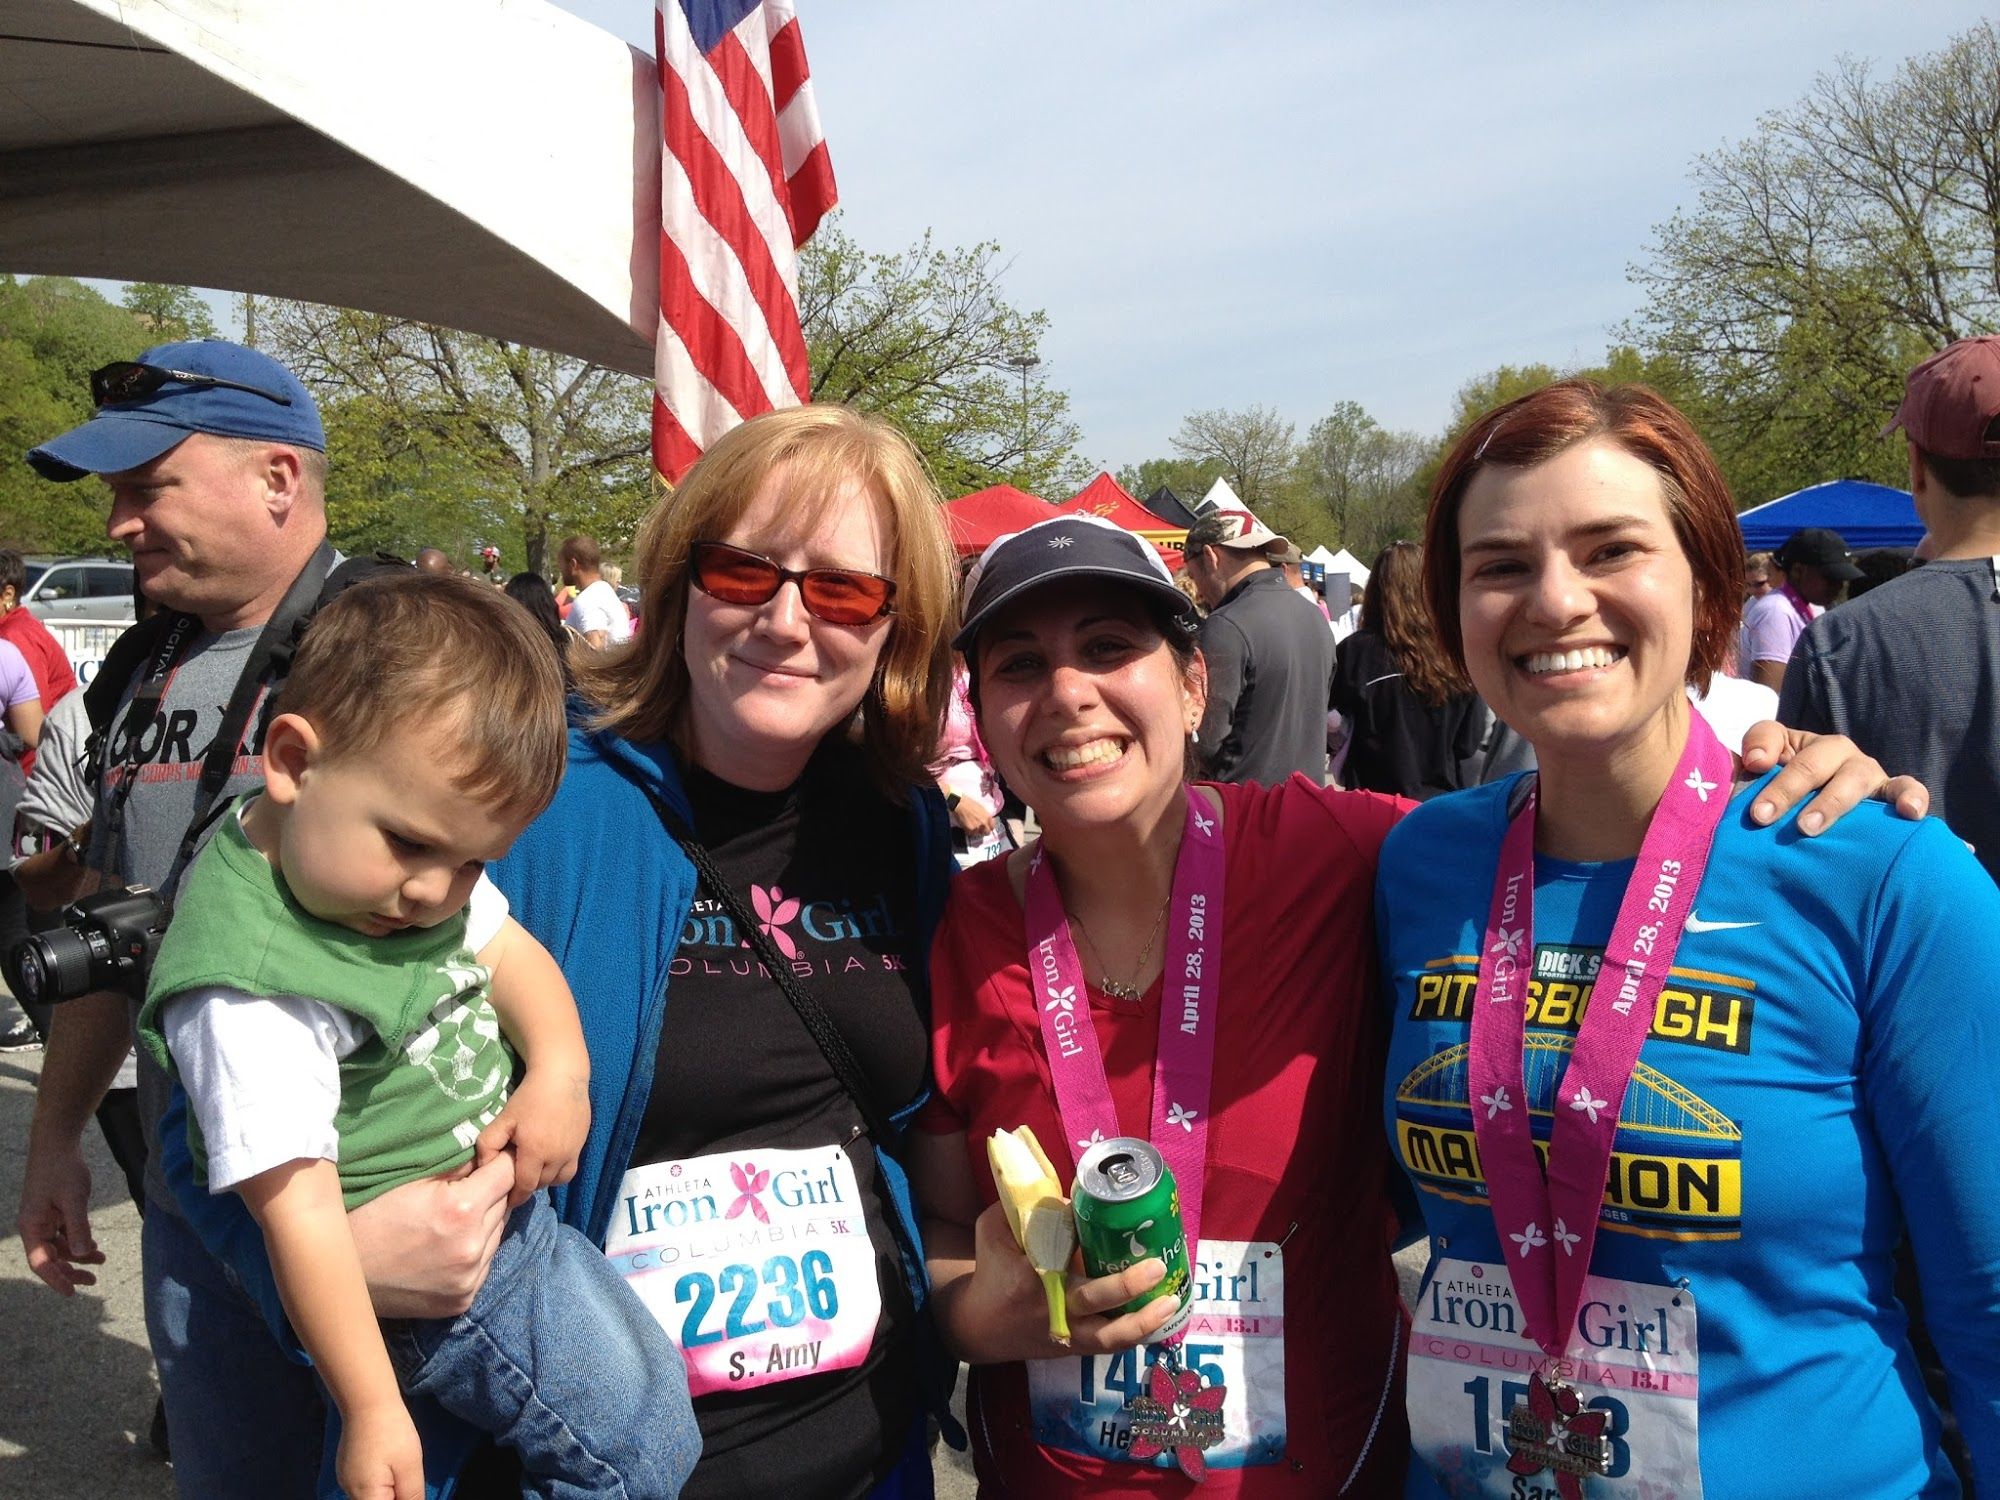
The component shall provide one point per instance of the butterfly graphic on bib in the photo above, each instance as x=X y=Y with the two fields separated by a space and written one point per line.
x=749 y=1183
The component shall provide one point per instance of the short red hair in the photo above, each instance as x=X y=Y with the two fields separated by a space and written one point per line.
x=1536 y=427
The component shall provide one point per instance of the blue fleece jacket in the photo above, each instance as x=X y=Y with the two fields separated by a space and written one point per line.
x=607 y=892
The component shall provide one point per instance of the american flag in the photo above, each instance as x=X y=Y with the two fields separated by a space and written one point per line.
x=744 y=181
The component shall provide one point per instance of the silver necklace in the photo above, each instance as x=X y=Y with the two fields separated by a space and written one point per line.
x=1105 y=982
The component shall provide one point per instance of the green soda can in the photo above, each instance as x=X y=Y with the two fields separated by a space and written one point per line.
x=1128 y=1208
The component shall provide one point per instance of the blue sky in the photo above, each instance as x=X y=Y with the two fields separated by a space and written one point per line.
x=1297 y=204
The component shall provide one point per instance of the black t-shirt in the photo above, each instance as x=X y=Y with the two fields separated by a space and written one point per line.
x=737 y=1068
x=1399 y=743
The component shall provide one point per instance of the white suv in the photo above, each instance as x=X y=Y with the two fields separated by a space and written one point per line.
x=80 y=588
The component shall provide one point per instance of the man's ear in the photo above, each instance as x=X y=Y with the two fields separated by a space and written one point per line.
x=283 y=476
x=291 y=747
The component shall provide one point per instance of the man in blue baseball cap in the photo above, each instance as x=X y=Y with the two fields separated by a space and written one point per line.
x=216 y=462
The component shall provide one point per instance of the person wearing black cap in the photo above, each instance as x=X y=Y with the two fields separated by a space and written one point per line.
x=1817 y=567
x=1911 y=670
x=216 y=463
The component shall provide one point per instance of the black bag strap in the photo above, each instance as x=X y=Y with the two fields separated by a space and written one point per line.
x=277 y=642
x=279 y=635
x=121 y=664
x=840 y=1057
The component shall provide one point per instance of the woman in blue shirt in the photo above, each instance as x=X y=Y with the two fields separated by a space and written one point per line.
x=1811 y=1041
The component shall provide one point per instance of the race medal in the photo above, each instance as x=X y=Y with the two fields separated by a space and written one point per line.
x=1546 y=1211
x=1550 y=1430
x=1177 y=1414
x=1478 y=1424
x=1092 y=1404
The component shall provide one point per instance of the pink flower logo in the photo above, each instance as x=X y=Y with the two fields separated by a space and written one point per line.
x=774 y=910
x=749 y=1183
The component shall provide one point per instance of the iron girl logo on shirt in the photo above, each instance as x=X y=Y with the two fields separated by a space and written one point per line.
x=1676 y=1170
x=844 y=935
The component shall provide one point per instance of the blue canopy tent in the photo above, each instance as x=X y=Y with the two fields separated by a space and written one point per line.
x=1865 y=515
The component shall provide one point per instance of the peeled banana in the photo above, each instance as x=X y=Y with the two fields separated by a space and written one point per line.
x=1038 y=1213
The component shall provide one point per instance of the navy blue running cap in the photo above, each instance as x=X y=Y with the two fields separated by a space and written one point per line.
x=1067 y=547
x=154 y=403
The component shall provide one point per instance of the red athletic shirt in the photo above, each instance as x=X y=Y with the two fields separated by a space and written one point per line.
x=1295 y=1148
x=53 y=674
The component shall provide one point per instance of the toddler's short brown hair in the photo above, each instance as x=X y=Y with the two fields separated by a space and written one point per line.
x=451 y=653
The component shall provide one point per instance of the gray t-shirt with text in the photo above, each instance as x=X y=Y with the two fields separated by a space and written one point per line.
x=165 y=754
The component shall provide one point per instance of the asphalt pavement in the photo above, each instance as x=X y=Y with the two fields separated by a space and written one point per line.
x=76 y=1381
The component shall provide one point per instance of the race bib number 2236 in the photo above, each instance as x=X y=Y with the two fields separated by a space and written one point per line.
x=756 y=1263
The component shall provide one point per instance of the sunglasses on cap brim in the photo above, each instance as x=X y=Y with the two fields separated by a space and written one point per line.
x=129 y=380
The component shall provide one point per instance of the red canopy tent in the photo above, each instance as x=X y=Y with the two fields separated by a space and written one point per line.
x=981 y=518
x=1106 y=497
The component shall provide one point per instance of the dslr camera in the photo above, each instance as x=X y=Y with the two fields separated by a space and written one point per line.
x=106 y=942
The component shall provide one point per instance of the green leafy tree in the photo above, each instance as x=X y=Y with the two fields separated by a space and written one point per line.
x=1362 y=477
x=53 y=333
x=1189 y=479
x=925 y=338
x=1853 y=232
x=171 y=314
x=441 y=438
x=1251 y=448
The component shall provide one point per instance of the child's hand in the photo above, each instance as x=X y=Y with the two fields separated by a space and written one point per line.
x=544 y=1125
x=380 y=1457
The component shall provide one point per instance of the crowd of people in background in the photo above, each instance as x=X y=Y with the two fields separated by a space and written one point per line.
x=618 y=1011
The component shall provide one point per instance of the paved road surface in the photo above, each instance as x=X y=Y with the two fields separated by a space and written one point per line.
x=76 y=1382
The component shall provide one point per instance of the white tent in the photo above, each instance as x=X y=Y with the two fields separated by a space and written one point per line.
x=492 y=165
x=1320 y=555
x=1219 y=497
x=1346 y=562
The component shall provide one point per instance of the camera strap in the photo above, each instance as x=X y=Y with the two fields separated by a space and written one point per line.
x=277 y=640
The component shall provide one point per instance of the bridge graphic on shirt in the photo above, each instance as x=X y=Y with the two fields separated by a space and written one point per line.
x=1676 y=1171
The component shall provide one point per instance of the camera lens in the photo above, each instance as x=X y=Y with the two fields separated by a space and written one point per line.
x=28 y=964
x=58 y=965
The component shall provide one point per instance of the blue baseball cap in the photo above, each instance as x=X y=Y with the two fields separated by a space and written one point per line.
x=149 y=405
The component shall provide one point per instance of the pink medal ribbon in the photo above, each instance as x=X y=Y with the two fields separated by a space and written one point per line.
x=1184 y=1068
x=1548 y=1224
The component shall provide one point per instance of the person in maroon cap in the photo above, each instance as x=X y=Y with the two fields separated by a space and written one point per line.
x=1911 y=671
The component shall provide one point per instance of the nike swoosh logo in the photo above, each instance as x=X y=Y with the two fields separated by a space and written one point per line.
x=1695 y=924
